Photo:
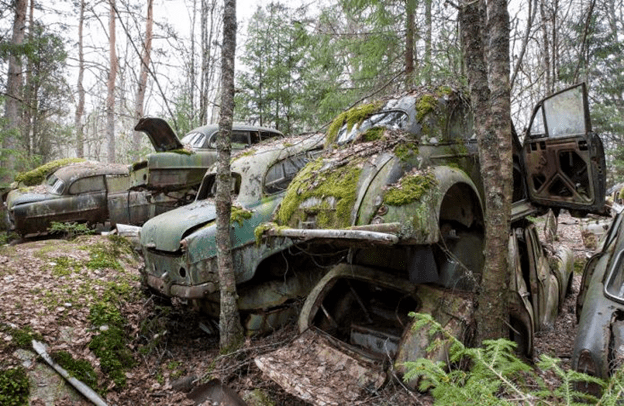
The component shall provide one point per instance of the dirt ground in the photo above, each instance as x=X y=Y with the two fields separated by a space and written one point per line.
x=171 y=344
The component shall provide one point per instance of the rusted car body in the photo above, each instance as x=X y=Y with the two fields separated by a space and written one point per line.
x=178 y=164
x=599 y=343
x=74 y=193
x=401 y=188
x=179 y=247
x=118 y=194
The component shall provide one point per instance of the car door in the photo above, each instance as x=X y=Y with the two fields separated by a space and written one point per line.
x=544 y=285
x=564 y=160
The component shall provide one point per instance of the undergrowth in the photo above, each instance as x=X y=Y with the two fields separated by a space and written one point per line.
x=14 y=387
x=496 y=376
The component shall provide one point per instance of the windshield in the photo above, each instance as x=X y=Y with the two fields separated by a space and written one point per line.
x=208 y=187
x=55 y=185
x=391 y=119
x=194 y=139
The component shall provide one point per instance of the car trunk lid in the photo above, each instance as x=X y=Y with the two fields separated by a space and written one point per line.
x=159 y=133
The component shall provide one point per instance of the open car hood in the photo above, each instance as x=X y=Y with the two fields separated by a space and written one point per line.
x=164 y=232
x=313 y=369
x=159 y=133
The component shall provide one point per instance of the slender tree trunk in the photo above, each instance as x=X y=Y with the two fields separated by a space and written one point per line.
x=142 y=85
x=229 y=318
x=409 y=43
x=428 y=41
x=488 y=78
x=112 y=76
x=13 y=99
x=81 y=91
x=30 y=103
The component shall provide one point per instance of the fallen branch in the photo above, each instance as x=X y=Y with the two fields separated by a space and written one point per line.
x=81 y=387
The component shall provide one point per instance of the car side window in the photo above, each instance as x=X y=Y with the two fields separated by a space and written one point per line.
x=87 y=185
x=281 y=173
x=265 y=135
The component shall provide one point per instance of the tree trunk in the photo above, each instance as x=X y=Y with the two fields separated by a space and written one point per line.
x=142 y=85
x=112 y=76
x=229 y=318
x=488 y=78
x=13 y=90
x=409 y=43
x=30 y=103
x=81 y=91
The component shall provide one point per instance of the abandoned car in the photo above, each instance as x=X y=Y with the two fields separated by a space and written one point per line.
x=401 y=188
x=84 y=192
x=179 y=246
x=116 y=194
x=180 y=165
x=599 y=343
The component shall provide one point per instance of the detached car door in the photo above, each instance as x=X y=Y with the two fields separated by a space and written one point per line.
x=564 y=160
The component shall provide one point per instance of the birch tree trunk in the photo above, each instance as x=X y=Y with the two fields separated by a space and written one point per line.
x=146 y=53
x=112 y=76
x=13 y=90
x=229 y=318
x=488 y=77
x=81 y=91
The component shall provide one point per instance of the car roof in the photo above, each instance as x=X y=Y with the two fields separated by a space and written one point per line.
x=210 y=128
x=90 y=168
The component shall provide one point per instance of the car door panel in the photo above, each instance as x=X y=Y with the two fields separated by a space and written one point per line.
x=564 y=161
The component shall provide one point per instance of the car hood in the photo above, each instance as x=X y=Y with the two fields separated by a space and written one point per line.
x=27 y=195
x=159 y=133
x=164 y=232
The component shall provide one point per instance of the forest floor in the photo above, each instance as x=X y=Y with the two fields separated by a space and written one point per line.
x=50 y=288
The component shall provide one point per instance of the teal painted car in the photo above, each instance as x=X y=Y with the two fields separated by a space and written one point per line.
x=179 y=246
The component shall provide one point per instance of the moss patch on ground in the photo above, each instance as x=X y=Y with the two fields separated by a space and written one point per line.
x=14 y=387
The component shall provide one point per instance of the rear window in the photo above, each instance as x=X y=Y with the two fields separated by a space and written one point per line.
x=391 y=119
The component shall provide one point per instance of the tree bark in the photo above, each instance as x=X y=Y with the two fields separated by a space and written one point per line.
x=81 y=91
x=142 y=84
x=409 y=43
x=112 y=76
x=488 y=78
x=229 y=318
x=13 y=90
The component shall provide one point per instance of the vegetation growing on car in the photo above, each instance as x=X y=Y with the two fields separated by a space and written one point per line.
x=373 y=134
x=239 y=215
x=14 y=387
x=38 y=175
x=404 y=151
x=410 y=188
x=334 y=182
x=351 y=117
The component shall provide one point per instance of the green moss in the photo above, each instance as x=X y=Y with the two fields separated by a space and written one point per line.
x=70 y=230
x=21 y=338
x=239 y=215
x=621 y=195
x=65 y=266
x=104 y=256
x=405 y=151
x=14 y=387
x=181 y=151
x=38 y=175
x=261 y=229
x=425 y=105
x=79 y=369
x=351 y=117
x=110 y=345
x=373 y=134
x=339 y=183
x=410 y=188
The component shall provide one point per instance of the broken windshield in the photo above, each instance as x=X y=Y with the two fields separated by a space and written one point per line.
x=391 y=119
x=55 y=185
x=208 y=188
x=195 y=139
